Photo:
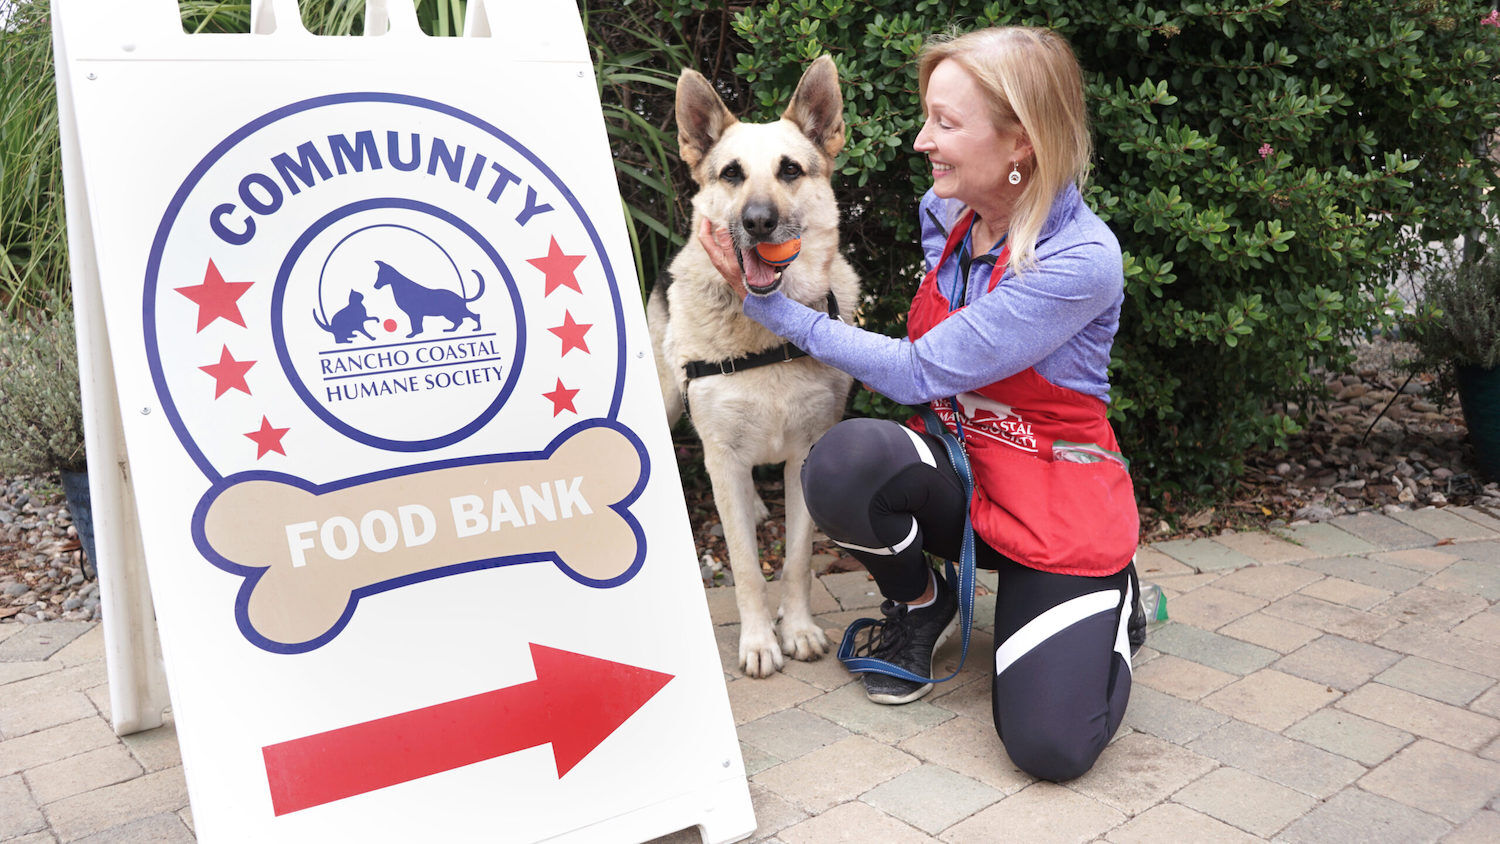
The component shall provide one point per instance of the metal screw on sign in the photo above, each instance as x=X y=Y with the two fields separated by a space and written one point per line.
x=92 y=76
x=145 y=411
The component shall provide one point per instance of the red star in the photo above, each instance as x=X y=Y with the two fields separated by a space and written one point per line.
x=216 y=297
x=561 y=398
x=268 y=439
x=572 y=334
x=229 y=373
x=559 y=268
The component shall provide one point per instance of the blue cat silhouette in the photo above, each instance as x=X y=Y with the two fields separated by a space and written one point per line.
x=349 y=320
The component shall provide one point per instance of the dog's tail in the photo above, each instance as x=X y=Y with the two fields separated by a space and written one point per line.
x=480 y=292
x=656 y=323
x=321 y=324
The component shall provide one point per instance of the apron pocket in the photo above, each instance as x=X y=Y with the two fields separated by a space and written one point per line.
x=1060 y=516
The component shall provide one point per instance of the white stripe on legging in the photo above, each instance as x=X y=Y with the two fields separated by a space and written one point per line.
x=1122 y=635
x=922 y=450
x=1054 y=621
x=884 y=552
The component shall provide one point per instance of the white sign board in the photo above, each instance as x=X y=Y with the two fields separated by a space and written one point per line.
x=414 y=531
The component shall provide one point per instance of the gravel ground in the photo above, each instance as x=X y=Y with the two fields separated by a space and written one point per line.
x=43 y=575
x=1379 y=443
x=1415 y=456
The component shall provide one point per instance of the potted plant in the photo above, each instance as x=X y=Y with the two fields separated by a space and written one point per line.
x=41 y=420
x=1457 y=335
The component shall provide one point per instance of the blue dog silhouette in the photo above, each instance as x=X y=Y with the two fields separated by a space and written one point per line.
x=420 y=302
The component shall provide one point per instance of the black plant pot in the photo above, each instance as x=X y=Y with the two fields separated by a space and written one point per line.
x=76 y=490
x=1479 y=394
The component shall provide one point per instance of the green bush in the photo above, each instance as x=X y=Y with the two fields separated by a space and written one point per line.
x=1265 y=165
x=637 y=57
x=1457 y=321
x=1244 y=271
x=33 y=250
x=41 y=422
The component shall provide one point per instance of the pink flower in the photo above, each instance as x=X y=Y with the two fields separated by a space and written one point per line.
x=1493 y=19
x=1266 y=150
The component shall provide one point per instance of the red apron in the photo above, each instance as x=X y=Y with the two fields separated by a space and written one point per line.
x=1051 y=490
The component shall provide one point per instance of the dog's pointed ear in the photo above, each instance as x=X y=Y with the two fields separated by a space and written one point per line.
x=817 y=107
x=702 y=117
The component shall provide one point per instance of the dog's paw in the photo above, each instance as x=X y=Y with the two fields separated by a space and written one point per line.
x=759 y=655
x=805 y=641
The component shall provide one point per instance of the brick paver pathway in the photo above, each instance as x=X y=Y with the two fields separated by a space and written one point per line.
x=1324 y=683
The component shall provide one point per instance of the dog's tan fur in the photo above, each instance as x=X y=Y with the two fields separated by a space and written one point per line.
x=771 y=414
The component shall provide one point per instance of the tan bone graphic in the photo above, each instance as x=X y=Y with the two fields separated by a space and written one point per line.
x=319 y=549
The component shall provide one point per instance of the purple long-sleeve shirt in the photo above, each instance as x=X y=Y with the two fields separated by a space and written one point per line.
x=1060 y=316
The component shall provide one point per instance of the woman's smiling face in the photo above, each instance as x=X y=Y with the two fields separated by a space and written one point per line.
x=970 y=156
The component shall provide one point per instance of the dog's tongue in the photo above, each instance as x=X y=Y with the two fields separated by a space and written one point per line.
x=759 y=275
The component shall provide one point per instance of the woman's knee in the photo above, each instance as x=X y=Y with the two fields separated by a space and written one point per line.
x=1058 y=757
x=844 y=469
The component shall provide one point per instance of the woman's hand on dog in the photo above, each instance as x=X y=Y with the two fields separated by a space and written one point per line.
x=719 y=245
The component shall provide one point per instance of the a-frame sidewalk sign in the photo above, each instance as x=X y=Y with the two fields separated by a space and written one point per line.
x=372 y=408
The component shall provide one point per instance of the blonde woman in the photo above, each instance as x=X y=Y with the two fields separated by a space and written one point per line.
x=1009 y=334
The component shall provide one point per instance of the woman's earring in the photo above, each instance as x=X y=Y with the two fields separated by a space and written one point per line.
x=1015 y=174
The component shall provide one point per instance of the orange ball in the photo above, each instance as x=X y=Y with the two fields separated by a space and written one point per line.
x=779 y=254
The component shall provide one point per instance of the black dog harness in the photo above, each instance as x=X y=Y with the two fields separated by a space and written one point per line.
x=776 y=354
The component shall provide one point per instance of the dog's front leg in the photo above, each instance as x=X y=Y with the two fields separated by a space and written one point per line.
x=801 y=637
x=734 y=494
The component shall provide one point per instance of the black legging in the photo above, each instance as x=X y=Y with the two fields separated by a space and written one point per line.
x=886 y=493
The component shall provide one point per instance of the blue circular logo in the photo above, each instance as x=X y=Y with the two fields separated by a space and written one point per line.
x=351 y=279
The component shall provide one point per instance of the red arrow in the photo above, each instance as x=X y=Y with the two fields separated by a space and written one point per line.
x=574 y=703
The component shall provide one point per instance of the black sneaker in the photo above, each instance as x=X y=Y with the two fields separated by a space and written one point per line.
x=907 y=639
x=1135 y=629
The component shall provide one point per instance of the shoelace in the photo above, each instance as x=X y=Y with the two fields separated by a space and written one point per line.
x=886 y=636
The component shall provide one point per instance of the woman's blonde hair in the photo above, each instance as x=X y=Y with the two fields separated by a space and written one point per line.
x=1031 y=79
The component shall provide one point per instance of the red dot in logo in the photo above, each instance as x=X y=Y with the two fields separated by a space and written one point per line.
x=389 y=325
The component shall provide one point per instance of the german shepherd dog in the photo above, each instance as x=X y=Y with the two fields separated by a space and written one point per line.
x=765 y=183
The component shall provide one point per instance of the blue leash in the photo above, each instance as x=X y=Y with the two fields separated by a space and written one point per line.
x=964 y=577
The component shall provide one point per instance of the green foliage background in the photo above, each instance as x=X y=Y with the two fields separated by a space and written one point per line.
x=40 y=418
x=33 y=255
x=1244 y=271
x=1458 y=324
